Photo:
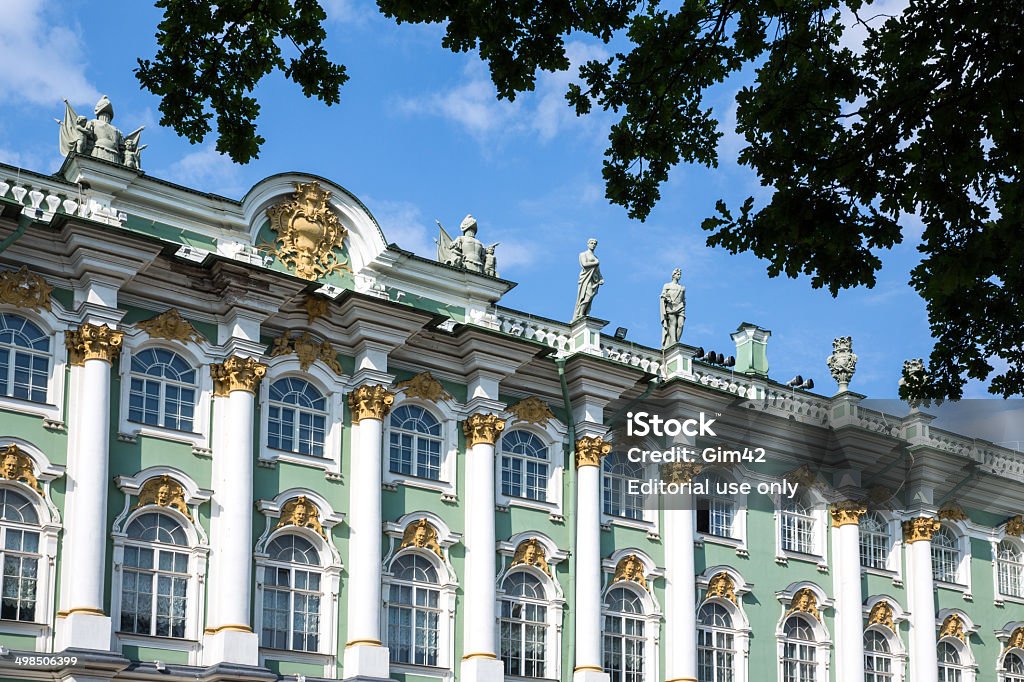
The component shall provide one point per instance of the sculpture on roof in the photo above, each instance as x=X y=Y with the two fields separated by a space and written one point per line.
x=99 y=137
x=673 y=310
x=590 y=281
x=843 y=362
x=466 y=251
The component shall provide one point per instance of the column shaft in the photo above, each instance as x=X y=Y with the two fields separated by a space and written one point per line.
x=681 y=593
x=589 y=668
x=917 y=534
x=849 y=609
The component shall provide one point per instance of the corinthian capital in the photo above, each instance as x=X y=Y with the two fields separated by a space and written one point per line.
x=237 y=374
x=590 y=450
x=482 y=428
x=847 y=513
x=370 y=402
x=921 y=528
x=93 y=342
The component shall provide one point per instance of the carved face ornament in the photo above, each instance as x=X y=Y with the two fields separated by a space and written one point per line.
x=11 y=466
x=163 y=494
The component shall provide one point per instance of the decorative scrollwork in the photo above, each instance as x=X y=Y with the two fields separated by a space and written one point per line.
x=425 y=387
x=532 y=410
x=309 y=233
x=482 y=428
x=920 y=528
x=590 y=450
x=307 y=349
x=170 y=325
x=237 y=374
x=25 y=289
x=93 y=342
x=370 y=402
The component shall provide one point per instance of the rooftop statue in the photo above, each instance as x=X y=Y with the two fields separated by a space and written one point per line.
x=673 y=310
x=466 y=251
x=590 y=281
x=98 y=137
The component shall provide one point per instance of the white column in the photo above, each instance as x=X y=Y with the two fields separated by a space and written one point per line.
x=229 y=637
x=589 y=451
x=680 y=582
x=917 y=535
x=364 y=655
x=83 y=623
x=846 y=587
x=480 y=661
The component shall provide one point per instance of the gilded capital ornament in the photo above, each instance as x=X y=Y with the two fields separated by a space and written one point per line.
x=301 y=512
x=630 y=568
x=531 y=410
x=237 y=374
x=953 y=626
x=920 y=528
x=531 y=553
x=423 y=535
x=307 y=349
x=370 y=402
x=93 y=342
x=172 y=326
x=163 y=491
x=15 y=465
x=482 y=428
x=309 y=234
x=590 y=450
x=882 y=614
x=805 y=601
x=847 y=513
x=1015 y=526
x=680 y=472
x=425 y=387
x=25 y=289
x=722 y=586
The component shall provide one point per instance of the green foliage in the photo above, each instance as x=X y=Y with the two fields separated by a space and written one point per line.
x=923 y=123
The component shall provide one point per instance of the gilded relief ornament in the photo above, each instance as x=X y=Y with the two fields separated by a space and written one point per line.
x=847 y=513
x=953 y=626
x=531 y=410
x=722 y=586
x=1016 y=640
x=951 y=511
x=172 y=326
x=590 y=450
x=309 y=233
x=93 y=342
x=921 y=528
x=301 y=512
x=630 y=568
x=531 y=553
x=802 y=476
x=25 y=289
x=316 y=307
x=425 y=387
x=1015 y=526
x=881 y=614
x=482 y=428
x=307 y=349
x=680 y=472
x=805 y=601
x=237 y=374
x=370 y=402
x=15 y=465
x=163 y=491
x=423 y=535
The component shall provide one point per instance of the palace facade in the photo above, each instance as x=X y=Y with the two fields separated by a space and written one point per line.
x=251 y=440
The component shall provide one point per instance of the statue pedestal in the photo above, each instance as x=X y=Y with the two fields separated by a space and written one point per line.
x=679 y=361
x=363 y=661
x=482 y=670
x=231 y=646
x=585 y=335
x=82 y=630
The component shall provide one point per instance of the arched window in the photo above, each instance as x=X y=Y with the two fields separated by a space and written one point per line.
x=798 y=529
x=154 y=581
x=1013 y=668
x=524 y=626
x=414 y=612
x=716 y=648
x=1010 y=564
x=24 y=359
x=415 y=442
x=716 y=512
x=624 y=639
x=874 y=541
x=291 y=595
x=19 y=553
x=951 y=668
x=297 y=417
x=878 y=658
x=524 y=465
x=617 y=472
x=945 y=556
x=799 y=653
x=163 y=390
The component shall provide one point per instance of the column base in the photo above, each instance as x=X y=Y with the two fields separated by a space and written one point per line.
x=231 y=646
x=480 y=669
x=84 y=630
x=366 y=661
x=590 y=675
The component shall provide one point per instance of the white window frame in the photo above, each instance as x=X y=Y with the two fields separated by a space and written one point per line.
x=738 y=539
x=893 y=565
x=897 y=652
x=996 y=539
x=552 y=434
x=331 y=387
x=968 y=668
x=822 y=639
x=647 y=522
x=196 y=356
x=652 y=608
x=447 y=413
x=1001 y=663
x=741 y=629
x=963 y=573
x=819 y=516
x=53 y=325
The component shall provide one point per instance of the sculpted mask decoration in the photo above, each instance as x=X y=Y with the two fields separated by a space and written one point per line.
x=843 y=361
x=951 y=511
x=307 y=349
x=953 y=626
x=423 y=535
x=308 y=233
x=680 y=472
x=425 y=387
x=316 y=307
x=15 y=465
x=881 y=614
x=163 y=491
x=532 y=410
x=805 y=601
x=531 y=553
x=170 y=325
x=722 y=586
x=1015 y=526
x=301 y=512
x=25 y=289
x=1016 y=640
x=630 y=568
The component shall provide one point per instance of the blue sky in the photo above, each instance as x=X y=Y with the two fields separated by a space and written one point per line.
x=419 y=135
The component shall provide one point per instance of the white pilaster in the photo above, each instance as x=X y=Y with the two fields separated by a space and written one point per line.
x=589 y=451
x=364 y=655
x=847 y=589
x=917 y=535
x=680 y=593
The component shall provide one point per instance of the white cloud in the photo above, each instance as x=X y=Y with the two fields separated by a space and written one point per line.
x=402 y=223
x=43 y=58
x=349 y=12
x=873 y=15
x=208 y=170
